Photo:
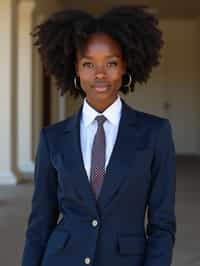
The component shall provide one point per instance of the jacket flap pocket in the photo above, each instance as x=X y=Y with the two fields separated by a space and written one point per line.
x=131 y=245
x=58 y=240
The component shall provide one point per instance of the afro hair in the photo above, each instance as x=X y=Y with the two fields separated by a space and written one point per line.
x=64 y=32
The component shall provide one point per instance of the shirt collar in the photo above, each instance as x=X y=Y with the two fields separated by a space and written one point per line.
x=112 y=113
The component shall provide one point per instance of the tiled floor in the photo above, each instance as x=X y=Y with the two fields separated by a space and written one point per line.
x=15 y=204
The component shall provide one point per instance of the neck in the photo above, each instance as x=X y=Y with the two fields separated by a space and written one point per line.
x=100 y=106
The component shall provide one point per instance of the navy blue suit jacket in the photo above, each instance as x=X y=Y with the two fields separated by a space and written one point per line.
x=141 y=175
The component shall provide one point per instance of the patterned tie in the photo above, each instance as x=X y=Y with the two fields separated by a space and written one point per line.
x=98 y=157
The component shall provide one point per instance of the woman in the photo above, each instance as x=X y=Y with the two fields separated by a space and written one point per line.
x=107 y=165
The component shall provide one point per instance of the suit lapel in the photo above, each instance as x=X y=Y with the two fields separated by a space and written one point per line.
x=120 y=160
x=72 y=157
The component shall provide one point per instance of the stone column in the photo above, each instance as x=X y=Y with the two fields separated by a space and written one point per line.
x=7 y=25
x=24 y=88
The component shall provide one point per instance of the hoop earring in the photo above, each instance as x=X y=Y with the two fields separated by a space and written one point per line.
x=129 y=82
x=75 y=84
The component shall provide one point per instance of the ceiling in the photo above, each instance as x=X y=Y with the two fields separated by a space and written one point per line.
x=163 y=8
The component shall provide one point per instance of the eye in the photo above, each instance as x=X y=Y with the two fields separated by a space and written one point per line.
x=111 y=64
x=88 y=64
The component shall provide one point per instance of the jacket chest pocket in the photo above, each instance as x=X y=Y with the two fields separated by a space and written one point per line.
x=58 y=242
x=131 y=245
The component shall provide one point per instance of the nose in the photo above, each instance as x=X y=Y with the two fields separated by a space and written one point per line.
x=100 y=72
x=100 y=75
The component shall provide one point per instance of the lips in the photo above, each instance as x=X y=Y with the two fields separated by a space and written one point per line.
x=100 y=86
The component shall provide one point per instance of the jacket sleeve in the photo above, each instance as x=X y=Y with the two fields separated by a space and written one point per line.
x=44 y=212
x=161 y=226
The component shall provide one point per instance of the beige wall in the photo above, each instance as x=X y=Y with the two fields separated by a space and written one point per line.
x=176 y=83
x=183 y=82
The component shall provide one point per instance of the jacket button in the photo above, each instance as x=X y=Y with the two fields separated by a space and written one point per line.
x=94 y=223
x=87 y=260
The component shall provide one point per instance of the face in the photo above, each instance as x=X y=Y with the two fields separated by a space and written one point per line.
x=100 y=67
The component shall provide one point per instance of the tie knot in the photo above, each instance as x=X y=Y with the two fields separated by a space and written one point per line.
x=100 y=119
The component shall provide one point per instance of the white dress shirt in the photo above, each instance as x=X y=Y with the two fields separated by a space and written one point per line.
x=88 y=128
